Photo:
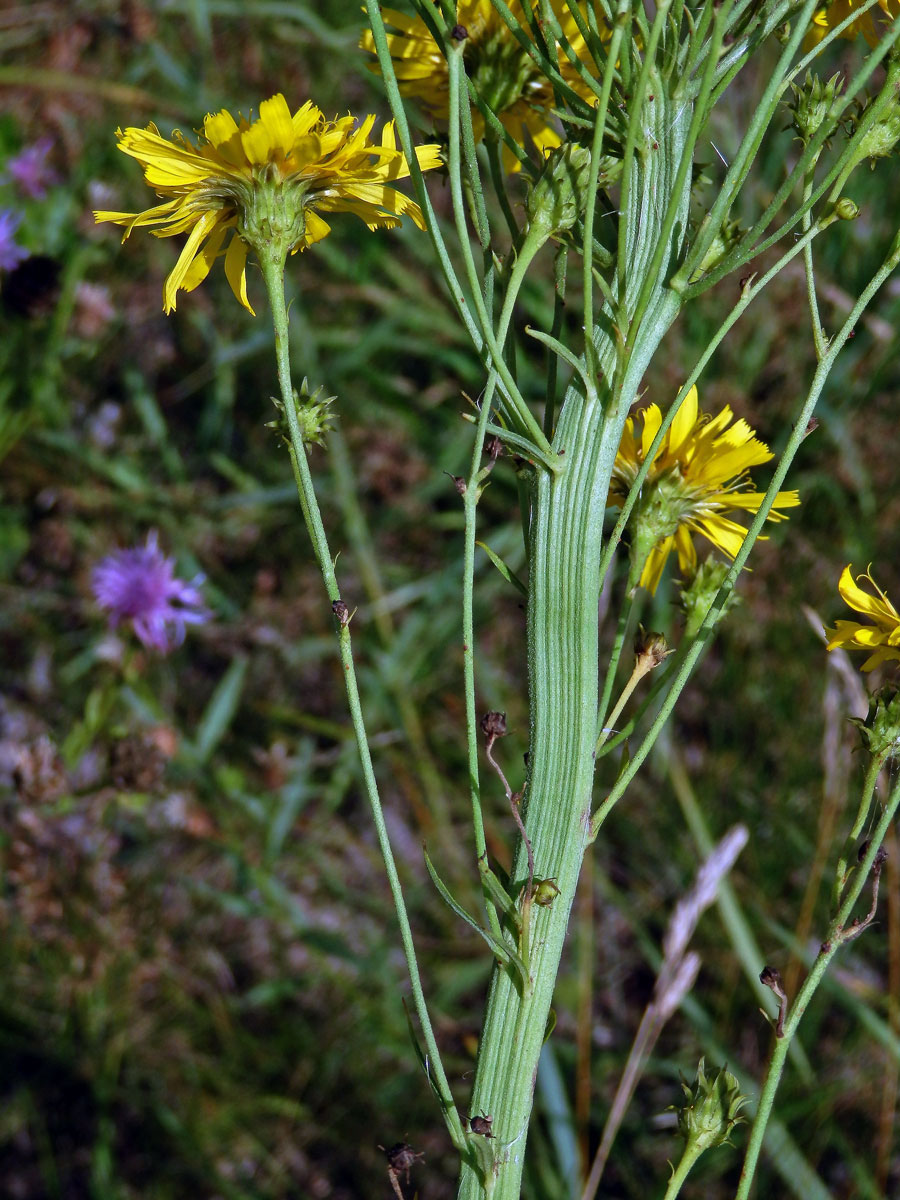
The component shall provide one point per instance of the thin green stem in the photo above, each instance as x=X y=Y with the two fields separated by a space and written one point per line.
x=749 y=247
x=737 y=172
x=837 y=934
x=691 y=1153
x=613 y=665
x=498 y=179
x=518 y=407
x=524 y=258
x=609 y=73
x=470 y=504
x=272 y=263
x=560 y=265
x=819 y=340
x=637 y=102
x=480 y=219
x=697 y=41
x=862 y=815
x=365 y=554
x=748 y=295
x=688 y=658
x=392 y=87
x=633 y=680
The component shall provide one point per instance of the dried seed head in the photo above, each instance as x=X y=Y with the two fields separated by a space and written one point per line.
x=481 y=1125
x=493 y=724
x=650 y=649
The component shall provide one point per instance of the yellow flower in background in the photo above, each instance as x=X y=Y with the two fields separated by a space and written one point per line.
x=867 y=24
x=699 y=473
x=256 y=179
x=503 y=74
x=881 y=640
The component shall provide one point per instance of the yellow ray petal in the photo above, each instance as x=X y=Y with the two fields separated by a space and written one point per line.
x=201 y=230
x=316 y=229
x=276 y=116
x=236 y=271
x=878 y=607
x=652 y=422
x=656 y=561
x=684 y=421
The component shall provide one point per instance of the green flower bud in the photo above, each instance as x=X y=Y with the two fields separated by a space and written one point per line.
x=880 y=730
x=725 y=239
x=498 y=67
x=545 y=892
x=846 y=209
x=312 y=412
x=558 y=195
x=698 y=595
x=813 y=104
x=710 y=1110
x=657 y=515
x=271 y=211
x=880 y=139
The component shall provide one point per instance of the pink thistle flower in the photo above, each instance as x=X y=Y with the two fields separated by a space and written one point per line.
x=139 y=585
x=29 y=170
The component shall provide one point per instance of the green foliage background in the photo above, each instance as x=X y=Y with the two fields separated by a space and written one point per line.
x=202 y=992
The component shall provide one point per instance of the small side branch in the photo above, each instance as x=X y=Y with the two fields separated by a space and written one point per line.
x=493 y=726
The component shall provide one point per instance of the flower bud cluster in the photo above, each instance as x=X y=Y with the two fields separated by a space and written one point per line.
x=882 y=136
x=313 y=414
x=722 y=244
x=558 y=196
x=698 y=595
x=813 y=104
x=710 y=1110
x=880 y=730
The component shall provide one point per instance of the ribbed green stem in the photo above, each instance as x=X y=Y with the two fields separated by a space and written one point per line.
x=566 y=535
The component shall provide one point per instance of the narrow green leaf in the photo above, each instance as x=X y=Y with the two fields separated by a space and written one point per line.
x=499 y=895
x=503 y=952
x=508 y=574
x=566 y=355
x=220 y=710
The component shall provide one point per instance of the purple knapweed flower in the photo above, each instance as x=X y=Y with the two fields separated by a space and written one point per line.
x=139 y=586
x=11 y=253
x=30 y=171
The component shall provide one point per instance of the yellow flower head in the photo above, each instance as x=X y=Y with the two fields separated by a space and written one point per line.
x=826 y=19
x=881 y=640
x=698 y=474
x=261 y=179
x=504 y=75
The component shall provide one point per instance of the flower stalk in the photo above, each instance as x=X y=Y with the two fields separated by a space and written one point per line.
x=272 y=259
